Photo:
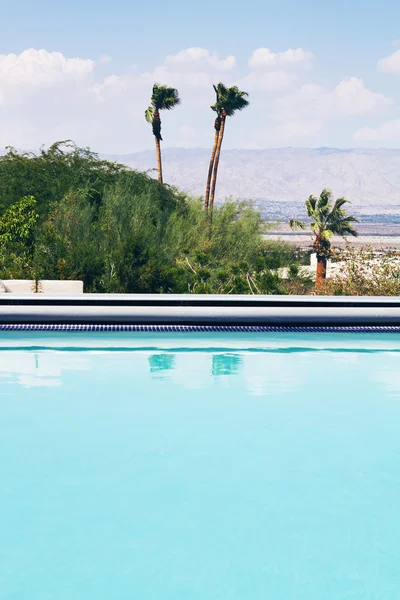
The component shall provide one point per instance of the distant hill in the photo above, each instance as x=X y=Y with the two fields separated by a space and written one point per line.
x=370 y=178
x=364 y=176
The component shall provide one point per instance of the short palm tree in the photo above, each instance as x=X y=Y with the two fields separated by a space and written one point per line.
x=229 y=100
x=162 y=98
x=326 y=220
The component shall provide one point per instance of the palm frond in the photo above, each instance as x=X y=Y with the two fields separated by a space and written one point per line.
x=351 y=219
x=149 y=114
x=220 y=93
x=164 y=97
x=229 y=99
x=324 y=204
x=338 y=212
x=344 y=226
x=215 y=106
x=172 y=100
x=327 y=220
x=349 y=230
x=339 y=203
x=295 y=224
x=316 y=226
x=310 y=205
x=326 y=234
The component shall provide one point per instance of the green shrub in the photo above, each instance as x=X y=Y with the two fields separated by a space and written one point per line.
x=120 y=231
x=362 y=274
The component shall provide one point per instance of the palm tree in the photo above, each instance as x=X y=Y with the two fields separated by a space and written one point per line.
x=326 y=221
x=217 y=126
x=229 y=100
x=162 y=98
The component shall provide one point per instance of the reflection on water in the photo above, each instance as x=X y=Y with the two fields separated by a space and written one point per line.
x=225 y=364
x=39 y=369
x=161 y=362
x=258 y=373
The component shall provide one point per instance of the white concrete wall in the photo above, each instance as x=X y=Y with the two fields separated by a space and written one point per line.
x=313 y=263
x=27 y=286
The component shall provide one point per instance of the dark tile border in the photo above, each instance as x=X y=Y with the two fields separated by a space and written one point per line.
x=204 y=328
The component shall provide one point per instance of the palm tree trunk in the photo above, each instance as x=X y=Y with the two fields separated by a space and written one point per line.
x=159 y=162
x=216 y=163
x=321 y=271
x=217 y=126
x=158 y=138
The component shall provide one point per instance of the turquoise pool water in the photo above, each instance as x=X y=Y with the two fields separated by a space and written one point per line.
x=187 y=467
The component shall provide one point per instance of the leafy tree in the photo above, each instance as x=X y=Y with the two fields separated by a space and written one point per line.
x=142 y=241
x=162 y=98
x=17 y=236
x=326 y=220
x=134 y=220
x=229 y=100
x=120 y=231
x=52 y=173
x=69 y=245
x=231 y=258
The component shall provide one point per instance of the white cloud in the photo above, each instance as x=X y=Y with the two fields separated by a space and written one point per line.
x=46 y=96
x=304 y=112
x=295 y=129
x=105 y=60
x=264 y=58
x=354 y=98
x=194 y=67
x=302 y=102
x=199 y=58
x=39 y=67
x=35 y=70
x=114 y=85
x=274 y=71
x=270 y=81
x=349 y=97
x=390 y=64
x=390 y=130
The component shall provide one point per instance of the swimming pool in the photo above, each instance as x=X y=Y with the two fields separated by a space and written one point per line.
x=182 y=466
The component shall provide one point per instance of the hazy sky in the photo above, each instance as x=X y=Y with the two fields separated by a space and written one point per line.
x=318 y=73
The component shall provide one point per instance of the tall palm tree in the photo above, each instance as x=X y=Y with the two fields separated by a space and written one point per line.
x=326 y=220
x=217 y=126
x=229 y=100
x=162 y=98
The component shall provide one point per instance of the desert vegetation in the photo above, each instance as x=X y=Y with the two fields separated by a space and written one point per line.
x=66 y=214
x=362 y=273
x=325 y=220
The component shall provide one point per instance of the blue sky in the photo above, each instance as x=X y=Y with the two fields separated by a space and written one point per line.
x=319 y=73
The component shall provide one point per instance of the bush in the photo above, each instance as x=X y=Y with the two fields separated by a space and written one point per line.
x=51 y=174
x=362 y=274
x=69 y=245
x=121 y=231
x=17 y=239
x=139 y=243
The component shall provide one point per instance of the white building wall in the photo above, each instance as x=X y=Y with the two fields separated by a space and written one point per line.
x=45 y=286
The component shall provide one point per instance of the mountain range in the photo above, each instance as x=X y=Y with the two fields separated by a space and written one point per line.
x=280 y=179
x=367 y=177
